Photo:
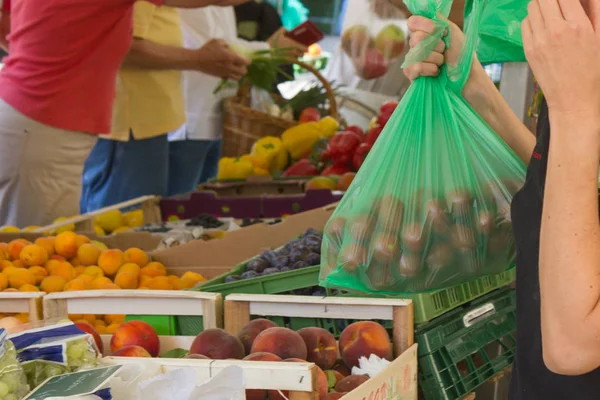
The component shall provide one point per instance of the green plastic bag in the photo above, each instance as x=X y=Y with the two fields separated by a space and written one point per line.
x=500 y=37
x=430 y=207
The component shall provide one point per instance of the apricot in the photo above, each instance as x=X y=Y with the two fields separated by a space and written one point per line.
x=79 y=270
x=160 y=283
x=81 y=240
x=28 y=288
x=136 y=333
x=100 y=281
x=23 y=317
x=217 y=344
x=75 y=262
x=4 y=252
x=154 y=269
x=110 y=261
x=361 y=339
x=280 y=341
x=90 y=318
x=87 y=279
x=144 y=281
x=175 y=282
x=3 y=282
x=114 y=318
x=350 y=383
x=193 y=276
x=58 y=257
x=130 y=268
x=88 y=254
x=109 y=286
x=15 y=247
x=75 y=317
x=51 y=264
x=187 y=283
x=47 y=243
x=76 y=284
x=65 y=244
x=94 y=271
x=18 y=264
x=65 y=270
x=53 y=284
x=321 y=346
x=136 y=256
x=39 y=273
x=249 y=332
x=112 y=328
x=8 y=271
x=10 y=290
x=21 y=277
x=5 y=264
x=126 y=280
x=101 y=329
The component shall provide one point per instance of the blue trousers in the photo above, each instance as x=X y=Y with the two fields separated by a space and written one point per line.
x=120 y=171
x=192 y=162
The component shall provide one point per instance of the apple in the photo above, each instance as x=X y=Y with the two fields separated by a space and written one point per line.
x=388 y=107
x=356 y=129
x=373 y=134
x=390 y=41
x=356 y=40
x=372 y=65
x=309 y=114
x=88 y=328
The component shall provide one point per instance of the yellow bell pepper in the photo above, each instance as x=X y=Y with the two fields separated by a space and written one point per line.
x=271 y=150
x=329 y=127
x=300 y=139
x=260 y=165
x=234 y=168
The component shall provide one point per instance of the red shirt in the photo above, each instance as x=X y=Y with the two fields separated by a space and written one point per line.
x=64 y=58
x=6 y=5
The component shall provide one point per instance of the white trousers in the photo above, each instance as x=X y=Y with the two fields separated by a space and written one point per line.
x=40 y=169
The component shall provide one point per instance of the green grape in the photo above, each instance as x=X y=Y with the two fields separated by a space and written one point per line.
x=11 y=397
x=4 y=390
x=12 y=380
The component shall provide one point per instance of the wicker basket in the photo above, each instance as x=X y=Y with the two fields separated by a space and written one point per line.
x=243 y=126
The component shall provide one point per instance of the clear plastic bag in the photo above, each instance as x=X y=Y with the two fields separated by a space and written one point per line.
x=430 y=207
x=13 y=383
x=54 y=350
x=373 y=37
x=500 y=38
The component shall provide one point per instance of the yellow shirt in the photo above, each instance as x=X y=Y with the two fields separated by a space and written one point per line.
x=150 y=102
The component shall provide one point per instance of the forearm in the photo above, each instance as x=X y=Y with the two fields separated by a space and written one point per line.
x=570 y=250
x=145 y=54
x=484 y=97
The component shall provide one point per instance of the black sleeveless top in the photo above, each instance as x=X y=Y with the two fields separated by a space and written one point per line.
x=531 y=379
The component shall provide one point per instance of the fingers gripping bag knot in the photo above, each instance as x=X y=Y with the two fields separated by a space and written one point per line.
x=430 y=206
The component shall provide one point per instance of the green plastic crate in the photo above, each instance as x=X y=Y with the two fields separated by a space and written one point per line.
x=463 y=349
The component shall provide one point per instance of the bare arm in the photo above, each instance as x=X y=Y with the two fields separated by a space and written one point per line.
x=145 y=54
x=570 y=249
x=484 y=97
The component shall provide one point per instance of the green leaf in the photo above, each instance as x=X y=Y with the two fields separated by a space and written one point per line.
x=175 y=353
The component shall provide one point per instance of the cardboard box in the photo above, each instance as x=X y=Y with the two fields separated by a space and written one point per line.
x=256 y=186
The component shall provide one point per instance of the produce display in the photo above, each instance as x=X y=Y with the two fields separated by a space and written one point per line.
x=70 y=261
x=430 y=208
x=373 y=43
x=299 y=253
x=13 y=382
x=54 y=350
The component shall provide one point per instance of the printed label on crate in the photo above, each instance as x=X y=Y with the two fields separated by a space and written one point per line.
x=75 y=384
x=477 y=314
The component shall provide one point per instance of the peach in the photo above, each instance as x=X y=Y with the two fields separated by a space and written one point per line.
x=248 y=333
x=361 y=339
x=280 y=341
x=65 y=244
x=88 y=254
x=110 y=261
x=350 y=383
x=47 y=243
x=217 y=344
x=33 y=255
x=196 y=357
x=345 y=181
x=53 y=284
x=322 y=384
x=15 y=247
x=259 y=394
x=136 y=256
x=136 y=333
x=335 y=396
x=334 y=376
x=88 y=328
x=131 y=351
x=321 y=346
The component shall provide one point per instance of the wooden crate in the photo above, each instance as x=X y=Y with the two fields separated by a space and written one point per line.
x=23 y=302
x=140 y=302
x=400 y=374
x=85 y=222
